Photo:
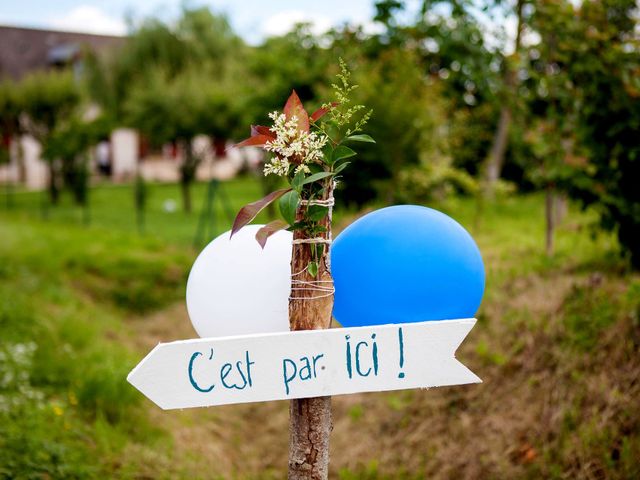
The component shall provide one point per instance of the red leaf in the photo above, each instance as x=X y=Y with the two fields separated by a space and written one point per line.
x=269 y=229
x=294 y=107
x=255 y=141
x=249 y=212
x=318 y=114
x=260 y=130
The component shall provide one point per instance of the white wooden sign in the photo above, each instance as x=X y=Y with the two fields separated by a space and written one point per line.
x=279 y=366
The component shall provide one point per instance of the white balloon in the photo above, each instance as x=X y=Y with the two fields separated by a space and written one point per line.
x=237 y=288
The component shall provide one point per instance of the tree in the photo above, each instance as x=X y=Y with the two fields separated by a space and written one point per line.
x=177 y=110
x=48 y=100
x=553 y=163
x=199 y=40
x=163 y=111
x=9 y=129
x=605 y=65
x=584 y=80
x=111 y=75
x=548 y=114
x=70 y=144
x=9 y=118
x=395 y=85
x=295 y=60
x=173 y=82
x=452 y=42
x=409 y=72
x=498 y=149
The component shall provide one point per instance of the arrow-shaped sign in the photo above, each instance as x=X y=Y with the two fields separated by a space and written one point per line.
x=312 y=363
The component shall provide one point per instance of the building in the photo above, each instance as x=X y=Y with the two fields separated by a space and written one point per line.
x=24 y=50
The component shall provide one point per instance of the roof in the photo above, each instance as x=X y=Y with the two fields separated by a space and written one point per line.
x=23 y=50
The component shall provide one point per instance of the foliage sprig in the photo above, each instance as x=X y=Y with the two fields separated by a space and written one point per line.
x=309 y=151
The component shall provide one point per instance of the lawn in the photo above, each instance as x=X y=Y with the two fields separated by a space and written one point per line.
x=112 y=207
x=556 y=344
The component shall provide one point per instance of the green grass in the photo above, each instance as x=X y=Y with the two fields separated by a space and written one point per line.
x=112 y=207
x=66 y=410
x=556 y=344
x=62 y=297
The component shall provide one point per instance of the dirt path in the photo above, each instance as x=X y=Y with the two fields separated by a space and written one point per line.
x=228 y=440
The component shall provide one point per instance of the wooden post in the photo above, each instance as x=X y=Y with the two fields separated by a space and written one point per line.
x=310 y=307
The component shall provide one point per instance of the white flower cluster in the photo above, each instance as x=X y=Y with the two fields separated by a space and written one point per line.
x=292 y=146
x=15 y=384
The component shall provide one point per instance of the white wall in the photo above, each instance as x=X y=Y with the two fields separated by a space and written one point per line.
x=36 y=169
x=124 y=153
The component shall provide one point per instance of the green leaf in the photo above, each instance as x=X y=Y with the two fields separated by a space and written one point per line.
x=317 y=212
x=288 y=205
x=361 y=138
x=297 y=226
x=341 y=167
x=296 y=183
x=315 y=168
x=341 y=152
x=316 y=176
x=249 y=212
x=327 y=153
x=312 y=268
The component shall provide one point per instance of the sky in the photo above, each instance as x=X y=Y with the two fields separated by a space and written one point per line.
x=252 y=19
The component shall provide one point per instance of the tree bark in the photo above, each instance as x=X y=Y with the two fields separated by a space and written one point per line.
x=501 y=136
x=550 y=219
x=54 y=190
x=185 y=185
x=187 y=173
x=310 y=421
x=560 y=208
x=498 y=149
x=17 y=153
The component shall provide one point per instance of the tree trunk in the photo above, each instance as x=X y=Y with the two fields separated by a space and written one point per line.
x=560 y=208
x=188 y=173
x=185 y=186
x=501 y=136
x=140 y=199
x=310 y=421
x=550 y=219
x=498 y=149
x=54 y=190
x=18 y=155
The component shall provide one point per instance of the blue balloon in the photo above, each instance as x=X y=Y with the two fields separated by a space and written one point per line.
x=405 y=264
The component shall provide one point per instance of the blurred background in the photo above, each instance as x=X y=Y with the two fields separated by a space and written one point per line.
x=519 y=118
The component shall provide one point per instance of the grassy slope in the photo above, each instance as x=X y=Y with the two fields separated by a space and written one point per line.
x=556 y=345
